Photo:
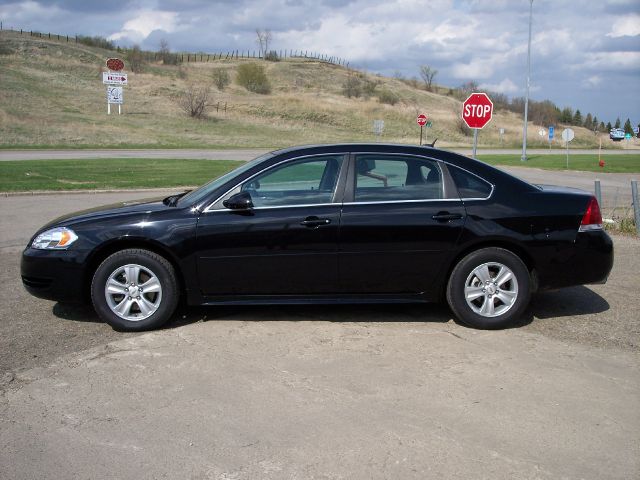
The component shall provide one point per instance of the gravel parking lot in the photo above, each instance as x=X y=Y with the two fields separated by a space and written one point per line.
x=317 y=392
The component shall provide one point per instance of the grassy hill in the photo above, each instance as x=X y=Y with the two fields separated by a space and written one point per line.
x=51 y=95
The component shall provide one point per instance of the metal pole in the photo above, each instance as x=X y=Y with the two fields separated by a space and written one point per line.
x=475 y=142
x=526 y=101
x=636 y=206
x=420 y=134
x=598 y=193
x=567 y=154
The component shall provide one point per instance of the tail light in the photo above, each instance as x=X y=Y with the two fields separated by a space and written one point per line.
x=592 y=218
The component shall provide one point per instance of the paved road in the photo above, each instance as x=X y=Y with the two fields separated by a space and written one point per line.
x=231 y=154
x=362 y=392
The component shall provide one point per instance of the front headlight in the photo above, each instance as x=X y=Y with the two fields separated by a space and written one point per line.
x=55 y=239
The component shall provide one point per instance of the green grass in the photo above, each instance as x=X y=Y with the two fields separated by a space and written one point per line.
x=112 y=173
x=587 y=163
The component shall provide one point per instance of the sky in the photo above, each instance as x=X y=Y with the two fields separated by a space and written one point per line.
x=584 y=54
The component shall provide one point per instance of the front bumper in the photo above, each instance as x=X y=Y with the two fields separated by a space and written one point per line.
x=54 y=274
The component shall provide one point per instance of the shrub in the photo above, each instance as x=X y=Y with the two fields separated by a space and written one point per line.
x=352 y=87
x=221 y=78
x=388 y=97
x=272 y=56
x=96 y=41
x=253 y=77
x=135 y=58
x=462 y=127
x=5 y=50
x=369 y=88
x=194 y=101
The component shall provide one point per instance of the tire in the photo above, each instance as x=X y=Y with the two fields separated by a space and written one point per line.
x=494 y=305
x=135 y=290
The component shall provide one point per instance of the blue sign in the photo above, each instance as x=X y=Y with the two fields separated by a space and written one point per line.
x=627 y=136
x=551 y=128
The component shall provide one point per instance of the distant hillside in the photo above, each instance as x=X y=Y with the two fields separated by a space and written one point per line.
x=51 y=94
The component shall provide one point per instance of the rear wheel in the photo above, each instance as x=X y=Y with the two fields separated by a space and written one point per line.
x=135 y=290
x=489 y=288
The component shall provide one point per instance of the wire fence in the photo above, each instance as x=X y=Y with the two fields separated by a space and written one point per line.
x=189 y=57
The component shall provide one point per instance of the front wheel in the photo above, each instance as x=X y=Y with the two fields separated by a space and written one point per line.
x=489 y=288
x=135 y=290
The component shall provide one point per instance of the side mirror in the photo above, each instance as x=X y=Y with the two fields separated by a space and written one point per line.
x=239 y=201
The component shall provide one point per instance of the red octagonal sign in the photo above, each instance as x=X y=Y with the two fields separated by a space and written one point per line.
x=477 y=110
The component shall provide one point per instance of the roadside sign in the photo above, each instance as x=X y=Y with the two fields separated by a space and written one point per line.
x=627 y=136
x=541 y=132
x=568 y=135
x=429 y=124
x=477 y=110
x=378 y=127
x=115 y=64
x=110 y=78
x=551 y=132
x=115 y=95
x=422 y=120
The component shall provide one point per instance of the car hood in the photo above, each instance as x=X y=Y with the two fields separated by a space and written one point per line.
x=114 y=209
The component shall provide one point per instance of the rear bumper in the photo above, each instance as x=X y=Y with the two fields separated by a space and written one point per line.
x=54 y=275
x=588 y=260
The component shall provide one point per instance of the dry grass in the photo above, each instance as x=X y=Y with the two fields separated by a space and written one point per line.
x=51 y=94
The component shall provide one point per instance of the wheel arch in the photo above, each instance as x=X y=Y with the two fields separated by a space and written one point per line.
x=123 y=243
x=509 y=245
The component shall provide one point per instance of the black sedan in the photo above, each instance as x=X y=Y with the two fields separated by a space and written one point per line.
x=349 y=223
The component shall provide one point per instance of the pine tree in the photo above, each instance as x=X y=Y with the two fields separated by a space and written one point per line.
x=577 y=118
x=566 y=116
x=588 y=121
x=603 y=127
x=609 y=127
x=617 y=124
x=595 y=123
x=627 y=127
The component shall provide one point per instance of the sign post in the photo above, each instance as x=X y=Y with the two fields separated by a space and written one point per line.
x=477 y=111
x=422 y=121
x=114 y=79
x=378 y=128
x=551 y=132
x=567 y=136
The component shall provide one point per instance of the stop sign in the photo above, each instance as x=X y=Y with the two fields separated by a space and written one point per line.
x=477 y=110
x=422 y=119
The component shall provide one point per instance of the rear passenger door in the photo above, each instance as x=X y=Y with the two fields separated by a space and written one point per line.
x=400 y=220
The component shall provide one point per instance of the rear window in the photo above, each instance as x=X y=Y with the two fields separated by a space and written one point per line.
x=469 y=185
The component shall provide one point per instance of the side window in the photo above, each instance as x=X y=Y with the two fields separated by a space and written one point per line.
x=393 y=178
x=299 y=182
x=469 y=186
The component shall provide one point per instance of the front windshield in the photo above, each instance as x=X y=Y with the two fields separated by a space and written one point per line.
x=198 y=195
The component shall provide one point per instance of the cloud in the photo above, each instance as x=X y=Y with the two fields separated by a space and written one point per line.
x=145 y=22
x=627 y=26
x=506 y=86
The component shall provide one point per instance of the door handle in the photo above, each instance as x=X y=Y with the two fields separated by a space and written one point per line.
x=446 y=216
x=315 y=222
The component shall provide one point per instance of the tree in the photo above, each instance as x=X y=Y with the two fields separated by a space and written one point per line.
x=627 y=127
x=167 y=57
x=595 y=123
x=577 y=118
x=263 y=39
x=602 y=127
x=617 y=124
x=469 y=87
x=566 y=116
x=194 y=101
x=588 y=121
x=609 y=127
x=135 y=58
x=428 y=74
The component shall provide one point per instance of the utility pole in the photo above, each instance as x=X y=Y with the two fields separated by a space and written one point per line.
x=526 y=101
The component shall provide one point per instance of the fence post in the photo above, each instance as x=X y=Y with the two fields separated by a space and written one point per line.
x=636 y=207
x=598 y=193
